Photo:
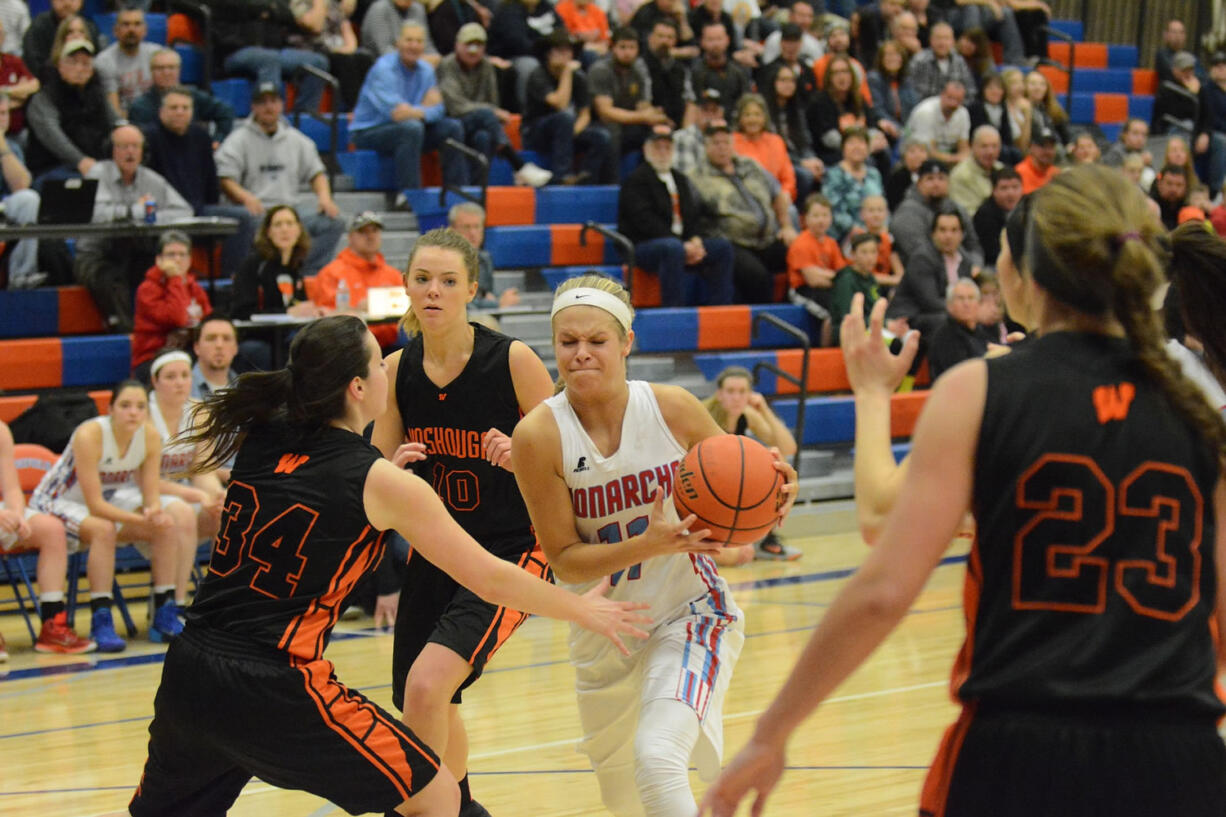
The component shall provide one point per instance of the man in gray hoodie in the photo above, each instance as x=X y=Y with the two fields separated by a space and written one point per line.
x=265 y=161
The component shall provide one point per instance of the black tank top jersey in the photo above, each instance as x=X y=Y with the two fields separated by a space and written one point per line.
x=1091 y=580
x=294 y=540
x=451 y=421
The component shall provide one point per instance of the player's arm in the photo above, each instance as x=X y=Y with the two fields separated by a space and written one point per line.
x=394 y=498
x=874 y=374
x=86 y=452
x=536 y=454
x=389 y=428
x=533 y=385
x=149 y=477
x=914 y=537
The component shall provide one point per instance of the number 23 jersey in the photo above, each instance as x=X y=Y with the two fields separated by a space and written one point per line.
x=1092 y=576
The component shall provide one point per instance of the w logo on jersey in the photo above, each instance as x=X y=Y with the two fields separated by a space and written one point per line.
x=1112 y=402
x=290 y=462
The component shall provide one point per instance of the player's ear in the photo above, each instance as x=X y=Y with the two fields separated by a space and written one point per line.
x=628 y=346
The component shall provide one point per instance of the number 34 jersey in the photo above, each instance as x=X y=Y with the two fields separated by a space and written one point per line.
x=294 y=540
x=451 y=421
x=1092 y=576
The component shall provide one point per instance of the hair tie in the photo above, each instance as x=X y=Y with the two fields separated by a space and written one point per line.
x=1124 y=238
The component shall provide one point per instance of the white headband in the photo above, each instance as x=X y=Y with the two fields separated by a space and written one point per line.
x=169 y=357
x=590 y=296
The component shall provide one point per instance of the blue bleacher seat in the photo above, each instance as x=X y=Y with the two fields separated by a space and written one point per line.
x=1141 y=107
x=369 y=170
x=97 y=359
x=576 y=205
x=320 y=132
x=29 y=313
x=192 y=70
x=236 y=91
x=1102 y=80
x=1081 y=112
x=1111 y=132
x=1073 y=28
x=827 y=419
x=1122 y=56
x=556 y=275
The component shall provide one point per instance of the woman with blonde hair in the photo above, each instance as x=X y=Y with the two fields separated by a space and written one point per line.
x=1046 y=108
x=458 y=391
x=596 y=464
x=1093 y=468
x=1017 y=108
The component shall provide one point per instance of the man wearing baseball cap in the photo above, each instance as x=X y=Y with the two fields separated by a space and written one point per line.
x=361 y=266
x=70 y=119
x=911 y=223
x=1039 y=166
x=469 y=85
x=658 y=210
x=689 y=143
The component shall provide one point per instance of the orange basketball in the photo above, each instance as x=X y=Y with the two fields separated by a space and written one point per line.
x=731 y=485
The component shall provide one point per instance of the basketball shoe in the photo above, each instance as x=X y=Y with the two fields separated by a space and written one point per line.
x=166 y=624
x=102 y=631
x=57 y=636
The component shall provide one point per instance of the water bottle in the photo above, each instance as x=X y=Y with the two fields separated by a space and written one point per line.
x=342 y=295
x=151 y=211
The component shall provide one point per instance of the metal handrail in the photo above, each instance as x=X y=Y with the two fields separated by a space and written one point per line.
x=801 y=382
x=332 y=164
x=205 y=16
x=625 y=245
x=476 y=156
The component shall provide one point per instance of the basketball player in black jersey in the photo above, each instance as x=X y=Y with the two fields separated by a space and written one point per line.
x=245 y=689
x=459 y=389
x=1092 y=467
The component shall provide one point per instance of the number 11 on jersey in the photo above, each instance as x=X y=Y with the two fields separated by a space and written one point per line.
x=611 y=534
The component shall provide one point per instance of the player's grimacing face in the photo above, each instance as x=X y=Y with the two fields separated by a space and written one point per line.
x=589 y=344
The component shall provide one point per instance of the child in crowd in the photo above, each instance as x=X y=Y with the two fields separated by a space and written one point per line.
x=814 y=257
x=875 y=214
x=858 y=276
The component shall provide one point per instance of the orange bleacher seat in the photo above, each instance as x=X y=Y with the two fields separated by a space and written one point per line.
x=512 y=126
x=905 y=411
x=1057 y=78
x=431 y=170
x=1085 y=55
x=78 y=314
x=565 y=249
x=1144 y=82
x=644 y=289
x=720 y=327
x=183 y=29
x=1110 y=108
x=509 y=205
x=35 y=363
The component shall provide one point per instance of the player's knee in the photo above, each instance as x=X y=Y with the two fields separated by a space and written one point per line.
x=619 y=793
x=47 y=534
x=425 y=690
x=96 y=532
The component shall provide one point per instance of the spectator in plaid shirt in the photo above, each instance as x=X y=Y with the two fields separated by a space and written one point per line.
x=689 y=143
x=931 y=68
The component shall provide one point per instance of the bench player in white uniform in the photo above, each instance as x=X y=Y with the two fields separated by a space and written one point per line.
x=23 y=527
x=170 y=410
x=105 y=489
x=589 y=463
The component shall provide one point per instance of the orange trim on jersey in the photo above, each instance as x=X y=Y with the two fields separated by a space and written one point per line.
x=971 y=589
x=506 y=621
x=935 y=794
x=304 y=636
x=360 y=724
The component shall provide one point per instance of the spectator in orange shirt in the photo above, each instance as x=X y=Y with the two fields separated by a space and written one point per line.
x=1039 y=166
x=814 y=258
x=361 y=266
x=588 y=24
x=754 y=140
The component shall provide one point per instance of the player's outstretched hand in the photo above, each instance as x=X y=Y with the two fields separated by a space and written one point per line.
x=407 y=453
x=787 y=494
x=497 y=448
x=870 y=365
x=665 y=537
x=613 y=619
x=756 y=768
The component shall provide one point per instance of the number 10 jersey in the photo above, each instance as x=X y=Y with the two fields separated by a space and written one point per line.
x=1091 y=581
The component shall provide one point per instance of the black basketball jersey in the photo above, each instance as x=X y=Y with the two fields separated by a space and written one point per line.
x=294 y=539
x=483 y=498
x=1091 y=580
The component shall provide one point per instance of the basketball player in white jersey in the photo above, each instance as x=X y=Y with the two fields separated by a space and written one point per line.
x=105 y=489
x=596 y=464
x=170 y=411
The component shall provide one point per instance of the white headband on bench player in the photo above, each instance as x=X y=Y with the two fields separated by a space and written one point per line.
x=590 y=296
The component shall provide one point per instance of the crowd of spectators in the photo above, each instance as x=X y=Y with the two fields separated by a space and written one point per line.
x=776 y=148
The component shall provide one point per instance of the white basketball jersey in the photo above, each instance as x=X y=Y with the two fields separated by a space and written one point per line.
x=115 y=469
x=611 y=498
x=176 y=456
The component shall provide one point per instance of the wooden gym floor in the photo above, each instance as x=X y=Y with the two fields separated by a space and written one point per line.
x=73 y=729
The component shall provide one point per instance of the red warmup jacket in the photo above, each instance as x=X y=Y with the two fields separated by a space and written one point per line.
x=161 y=307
